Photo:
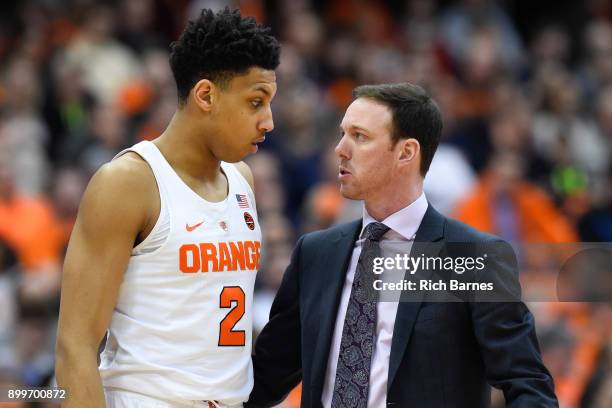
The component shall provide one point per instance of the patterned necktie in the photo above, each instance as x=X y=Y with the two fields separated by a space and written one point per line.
x=359 y=332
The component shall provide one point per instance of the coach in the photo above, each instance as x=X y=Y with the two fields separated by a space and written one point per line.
x=352 y=351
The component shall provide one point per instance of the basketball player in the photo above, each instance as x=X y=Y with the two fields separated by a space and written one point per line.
x=166 y=246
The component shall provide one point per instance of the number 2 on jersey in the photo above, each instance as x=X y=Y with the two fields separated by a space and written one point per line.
x=227 y=335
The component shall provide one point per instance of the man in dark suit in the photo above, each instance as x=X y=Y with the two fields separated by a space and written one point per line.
x=351 y=350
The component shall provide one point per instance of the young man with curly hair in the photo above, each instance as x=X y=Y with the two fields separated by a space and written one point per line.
x=166 y=246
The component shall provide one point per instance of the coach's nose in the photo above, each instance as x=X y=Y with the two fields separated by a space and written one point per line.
x=342 y=149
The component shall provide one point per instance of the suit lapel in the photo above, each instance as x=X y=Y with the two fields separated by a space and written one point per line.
x=334 y=264
x=430 y=230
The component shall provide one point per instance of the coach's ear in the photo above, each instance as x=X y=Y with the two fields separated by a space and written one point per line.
x=203 y=94
x=408 y=151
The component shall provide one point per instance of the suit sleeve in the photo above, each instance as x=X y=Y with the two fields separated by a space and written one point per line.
x=505 y=331
x=277 y=358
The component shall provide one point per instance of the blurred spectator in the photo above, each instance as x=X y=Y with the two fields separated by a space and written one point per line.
x=596 y=224
x=28 y=225
x=551 y=46
x=68 y=110
x=22 y=132
x=510 y=129
x=371 y=20
x=444 y=196
x=268 y=190
x=596 y=72
x=104 y=62
x=506 y=204
x=108 y=137
x=136 y=28
x=324 y=205
x=560 y=133
x=598 y=392
x=462 y=20
x=8 y=309
x=420 y=28
x=574 y=339
x=301 y=123
x=67 y=191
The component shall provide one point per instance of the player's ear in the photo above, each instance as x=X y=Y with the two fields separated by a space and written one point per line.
x=409 y=149
x=204 y=94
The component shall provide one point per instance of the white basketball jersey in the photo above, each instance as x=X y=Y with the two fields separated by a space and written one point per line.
x=182 y=327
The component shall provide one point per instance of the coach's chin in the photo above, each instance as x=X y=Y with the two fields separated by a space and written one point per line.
x=352 y=351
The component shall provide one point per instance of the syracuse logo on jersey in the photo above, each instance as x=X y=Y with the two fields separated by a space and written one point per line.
x=220 y=257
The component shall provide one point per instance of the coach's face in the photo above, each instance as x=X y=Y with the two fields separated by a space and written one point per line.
x=368 y=158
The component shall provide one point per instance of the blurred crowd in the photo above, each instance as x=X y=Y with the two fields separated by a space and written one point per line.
x=526 y=152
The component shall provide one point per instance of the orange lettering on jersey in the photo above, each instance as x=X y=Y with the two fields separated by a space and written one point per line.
x=257 y=253
x=184 y=263
x=237 y=249
x=209 y=254
x=251 y=255
x=222 y=257
x=225 y=260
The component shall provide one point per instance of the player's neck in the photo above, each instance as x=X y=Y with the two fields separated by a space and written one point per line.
x=186 y=151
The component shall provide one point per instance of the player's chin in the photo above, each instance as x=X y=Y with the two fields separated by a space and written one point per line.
x=247 y=150
x=253 y=148
x=239 y=153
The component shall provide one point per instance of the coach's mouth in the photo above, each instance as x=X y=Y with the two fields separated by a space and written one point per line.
x=342 y=171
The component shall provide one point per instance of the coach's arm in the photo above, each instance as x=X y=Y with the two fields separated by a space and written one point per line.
x=505 y=330
x=277 y=360
x=114 y=209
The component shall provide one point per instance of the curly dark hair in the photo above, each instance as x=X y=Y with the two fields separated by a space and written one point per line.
x=219 y=46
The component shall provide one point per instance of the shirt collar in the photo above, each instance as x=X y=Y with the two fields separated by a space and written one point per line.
x=404 y=223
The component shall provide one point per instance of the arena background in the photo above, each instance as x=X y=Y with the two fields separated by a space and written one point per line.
x=525 y=89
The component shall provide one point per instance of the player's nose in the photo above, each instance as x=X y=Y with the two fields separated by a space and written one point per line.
x=267 y=124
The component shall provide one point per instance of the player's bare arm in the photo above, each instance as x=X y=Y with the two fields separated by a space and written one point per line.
x=118 y=209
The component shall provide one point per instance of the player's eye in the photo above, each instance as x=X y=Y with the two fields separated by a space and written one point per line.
x=256 y=103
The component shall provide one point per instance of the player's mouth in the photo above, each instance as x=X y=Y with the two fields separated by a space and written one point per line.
x=254 y=146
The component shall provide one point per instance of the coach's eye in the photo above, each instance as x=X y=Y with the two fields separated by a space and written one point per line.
x=359 y=136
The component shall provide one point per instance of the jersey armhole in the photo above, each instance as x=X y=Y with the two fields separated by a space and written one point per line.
x=164 y=213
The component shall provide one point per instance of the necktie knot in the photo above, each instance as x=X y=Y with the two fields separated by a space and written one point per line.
x=375 y=230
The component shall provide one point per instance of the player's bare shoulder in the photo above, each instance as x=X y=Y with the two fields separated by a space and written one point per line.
x=246 y=172
x=124 y=190
x=127 y=177
x=130 y=171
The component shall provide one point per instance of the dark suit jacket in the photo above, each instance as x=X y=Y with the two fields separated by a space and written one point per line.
x=442 y=354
